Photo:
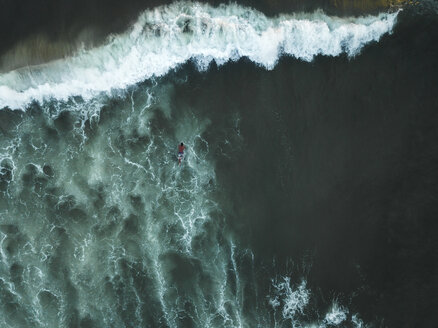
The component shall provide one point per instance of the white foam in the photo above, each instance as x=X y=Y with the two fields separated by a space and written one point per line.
x=169 y=36
x=357 y=322
x=336 y=315
x=292 y=300
x=292 y=303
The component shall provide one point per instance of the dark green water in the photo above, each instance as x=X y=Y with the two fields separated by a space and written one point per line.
x=307 y=197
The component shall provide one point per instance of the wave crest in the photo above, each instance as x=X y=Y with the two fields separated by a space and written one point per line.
x=168 y=36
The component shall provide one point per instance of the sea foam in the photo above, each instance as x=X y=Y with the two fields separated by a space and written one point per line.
x=168 y=36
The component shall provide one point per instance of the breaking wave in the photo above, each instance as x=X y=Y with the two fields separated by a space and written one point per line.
x=168 y=36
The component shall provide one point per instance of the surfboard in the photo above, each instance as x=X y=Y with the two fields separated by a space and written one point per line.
x=180 y=157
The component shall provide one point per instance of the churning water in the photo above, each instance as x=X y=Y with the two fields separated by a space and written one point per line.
x=284 y=120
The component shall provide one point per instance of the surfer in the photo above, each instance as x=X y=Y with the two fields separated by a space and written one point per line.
x=181 y=148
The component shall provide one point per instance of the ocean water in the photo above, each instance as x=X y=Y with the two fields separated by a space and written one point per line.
x=306 y=198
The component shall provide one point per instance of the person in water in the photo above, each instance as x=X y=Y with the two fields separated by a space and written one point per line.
x=181 y=148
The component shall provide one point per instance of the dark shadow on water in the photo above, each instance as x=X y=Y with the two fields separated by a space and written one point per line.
x=336 y=158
